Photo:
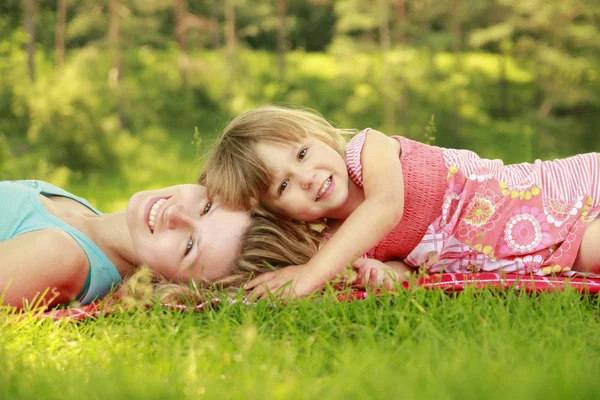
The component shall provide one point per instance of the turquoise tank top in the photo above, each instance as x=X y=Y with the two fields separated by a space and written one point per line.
x=22 y=211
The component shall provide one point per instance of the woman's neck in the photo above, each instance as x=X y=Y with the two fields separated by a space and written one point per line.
x=111 y=234
x=108 y=231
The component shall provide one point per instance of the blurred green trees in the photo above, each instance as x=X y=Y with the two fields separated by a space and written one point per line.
x=112 y=92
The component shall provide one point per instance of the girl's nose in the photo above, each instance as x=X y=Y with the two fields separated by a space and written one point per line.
x=306 y=179
x=176 y=216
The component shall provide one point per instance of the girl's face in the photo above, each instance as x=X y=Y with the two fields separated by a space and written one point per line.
x=179 y=234
x=310 y=179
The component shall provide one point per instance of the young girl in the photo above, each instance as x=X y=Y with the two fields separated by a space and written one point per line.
x=392 y=198
x=51 y=239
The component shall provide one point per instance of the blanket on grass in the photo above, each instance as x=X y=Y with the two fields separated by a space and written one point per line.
x=446 y=282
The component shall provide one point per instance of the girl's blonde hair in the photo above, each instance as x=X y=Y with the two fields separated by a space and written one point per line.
x=268 y=243
x=234 y=169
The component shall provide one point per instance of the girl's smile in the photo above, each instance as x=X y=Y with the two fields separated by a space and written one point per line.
x=326 y=189
x=310 y=179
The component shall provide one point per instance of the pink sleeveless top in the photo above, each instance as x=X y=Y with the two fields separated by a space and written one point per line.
x=424 y=175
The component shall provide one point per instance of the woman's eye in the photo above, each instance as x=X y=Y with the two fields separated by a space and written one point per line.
x=189 y=246
x=283 y=186
x=302 y=154
x=207 y=208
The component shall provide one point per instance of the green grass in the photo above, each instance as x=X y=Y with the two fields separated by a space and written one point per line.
x=416 y=344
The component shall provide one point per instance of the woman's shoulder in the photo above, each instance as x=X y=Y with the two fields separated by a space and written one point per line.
x=55 y=246
x=47 y=258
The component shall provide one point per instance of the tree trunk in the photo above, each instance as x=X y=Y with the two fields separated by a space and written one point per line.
x=29 y=12
x=385 y=44
x=180 y=29
x=59 y=41
x=281 y=37
x=400 y=21
x=115 y=45
x=456 y=30
x=401 y=39
x=503 y=83
x=214 y=19
x=116 y=72
x=230 y=43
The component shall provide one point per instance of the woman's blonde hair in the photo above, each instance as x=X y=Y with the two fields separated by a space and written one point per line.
x=268 y=243
x=234 y=169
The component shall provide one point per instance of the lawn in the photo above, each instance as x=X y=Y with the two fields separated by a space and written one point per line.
x=415 y=344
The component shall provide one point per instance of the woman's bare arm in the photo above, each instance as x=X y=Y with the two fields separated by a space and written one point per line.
x=36 y=261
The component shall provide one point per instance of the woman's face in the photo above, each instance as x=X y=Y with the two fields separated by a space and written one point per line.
x=179 y=234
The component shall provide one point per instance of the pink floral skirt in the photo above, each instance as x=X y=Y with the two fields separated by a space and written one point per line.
x=521 y=218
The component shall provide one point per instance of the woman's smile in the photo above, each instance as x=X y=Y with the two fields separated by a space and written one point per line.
x=191 y=237
x=152 y=209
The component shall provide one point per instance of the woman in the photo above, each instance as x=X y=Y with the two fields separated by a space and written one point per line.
x=55 y=247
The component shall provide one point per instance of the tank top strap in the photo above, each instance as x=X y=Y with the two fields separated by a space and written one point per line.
x=48 y=189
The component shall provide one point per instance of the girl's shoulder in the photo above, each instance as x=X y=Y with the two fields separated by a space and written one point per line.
x=354 y=151
x=355 y=146
x=356 y=143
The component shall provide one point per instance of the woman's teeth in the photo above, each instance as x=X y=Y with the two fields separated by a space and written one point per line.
x=324 y=188
x=153 y=211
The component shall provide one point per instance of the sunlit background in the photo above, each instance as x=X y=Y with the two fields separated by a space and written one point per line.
x=110 y=97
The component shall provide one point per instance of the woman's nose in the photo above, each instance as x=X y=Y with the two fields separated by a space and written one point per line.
x=176 y=216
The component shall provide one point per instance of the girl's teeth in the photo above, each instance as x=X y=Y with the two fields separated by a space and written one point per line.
x=324 y=188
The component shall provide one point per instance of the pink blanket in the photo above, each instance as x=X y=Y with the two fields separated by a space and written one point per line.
x=446 y=282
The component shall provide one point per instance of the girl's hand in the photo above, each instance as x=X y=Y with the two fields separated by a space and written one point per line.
x=379 y=275
x=292 y=281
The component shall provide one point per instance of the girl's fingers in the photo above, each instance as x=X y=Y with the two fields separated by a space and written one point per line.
x=359 y=263
x=387 y=284
x=258 y=280
x=362 y=278
x=373 y=278
x=285 y=293
x=358 y=279
x=257 y=293
x=270 y=287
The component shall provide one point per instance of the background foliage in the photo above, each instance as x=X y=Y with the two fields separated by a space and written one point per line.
x=110 y=96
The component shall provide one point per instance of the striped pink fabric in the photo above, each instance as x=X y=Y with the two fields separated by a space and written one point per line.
x=522 y=218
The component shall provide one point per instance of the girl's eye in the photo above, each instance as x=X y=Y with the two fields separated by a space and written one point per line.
x=302 y=154
x=189 y=246
x=207 y=208
x=283 y=186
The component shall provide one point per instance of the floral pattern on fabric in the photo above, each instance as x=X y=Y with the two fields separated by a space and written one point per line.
x=557 y=211
x=522 y=218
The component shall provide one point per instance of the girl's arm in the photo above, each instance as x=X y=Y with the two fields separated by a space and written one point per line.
x=40 y=260
x=378 y=214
